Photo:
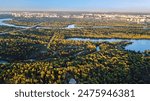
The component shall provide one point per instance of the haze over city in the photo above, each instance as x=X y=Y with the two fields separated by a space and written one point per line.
x=76 y=5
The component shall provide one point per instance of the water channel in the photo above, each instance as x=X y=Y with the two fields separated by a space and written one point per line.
x=2 y=23
x=137 y=45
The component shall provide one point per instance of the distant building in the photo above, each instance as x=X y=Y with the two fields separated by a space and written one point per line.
x=120 y=17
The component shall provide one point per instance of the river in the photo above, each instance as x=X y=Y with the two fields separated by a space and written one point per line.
x=3 y=62
x=2 y=23
x=137 y=45
x=71 y=26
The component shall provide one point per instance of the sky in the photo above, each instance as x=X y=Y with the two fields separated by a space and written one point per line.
x=76 y=5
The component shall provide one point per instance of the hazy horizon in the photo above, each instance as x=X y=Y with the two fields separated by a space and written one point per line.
x=76 y=5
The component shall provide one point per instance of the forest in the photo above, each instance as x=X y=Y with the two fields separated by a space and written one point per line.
x=45 y=56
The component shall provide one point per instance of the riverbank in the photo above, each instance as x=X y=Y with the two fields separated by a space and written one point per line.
x=112 y=36
x=137 y=44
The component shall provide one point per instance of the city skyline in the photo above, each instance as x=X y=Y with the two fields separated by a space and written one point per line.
x=76 y=5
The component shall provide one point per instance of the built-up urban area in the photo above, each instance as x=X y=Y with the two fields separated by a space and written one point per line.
x=138 y=18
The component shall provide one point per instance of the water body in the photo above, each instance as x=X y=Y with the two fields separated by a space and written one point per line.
x=3 y=62
x=2 y=23
x=110 y=27
x=137 y=45
x=103 y=27
x=97 y=48
x=2 y=33
x=70 y=26
x=72 y=81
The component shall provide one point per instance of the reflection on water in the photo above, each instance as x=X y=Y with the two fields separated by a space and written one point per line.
x=137 y=45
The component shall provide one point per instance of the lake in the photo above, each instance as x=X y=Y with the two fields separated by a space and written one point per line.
x=137 y=45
